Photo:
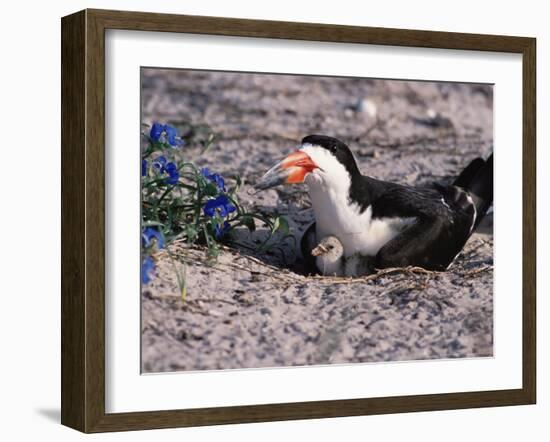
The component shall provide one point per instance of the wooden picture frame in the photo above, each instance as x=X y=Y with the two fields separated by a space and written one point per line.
x=83 y=220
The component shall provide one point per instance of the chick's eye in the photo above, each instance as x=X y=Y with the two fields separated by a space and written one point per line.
x=330 y=247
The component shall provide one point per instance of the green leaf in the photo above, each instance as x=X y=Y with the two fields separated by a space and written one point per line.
x=248 y=221
x=183 y=288
x=192 y=233
x=208 y=143
x=238 y=184
x=210 y=189
x=280 y=225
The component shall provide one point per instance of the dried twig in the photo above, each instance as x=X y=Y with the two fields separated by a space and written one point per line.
x=411 y=270
x=292 y=278
x=477 y=271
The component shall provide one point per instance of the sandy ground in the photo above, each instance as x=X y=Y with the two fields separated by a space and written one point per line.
x=254 y=310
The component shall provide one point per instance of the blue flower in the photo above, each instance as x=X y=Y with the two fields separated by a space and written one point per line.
x=220 y=205
x=221 y=229
x=143 y=167
x=147 y=267
x=172 y=135
x=150 y=233
x=159 y=163
x=173 y=174
x=215 y=178
x=165 y=133
x=156 y=131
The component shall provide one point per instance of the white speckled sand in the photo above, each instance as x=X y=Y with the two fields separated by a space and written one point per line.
x=260 y=311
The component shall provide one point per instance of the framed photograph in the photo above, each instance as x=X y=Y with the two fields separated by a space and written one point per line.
x=267 y=220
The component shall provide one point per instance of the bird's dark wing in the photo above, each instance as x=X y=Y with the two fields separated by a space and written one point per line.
x=307 y=244
x=443 y=220
x=401 y=201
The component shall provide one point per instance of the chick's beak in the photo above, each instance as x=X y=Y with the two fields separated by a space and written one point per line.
x=319 y=250
x=293 y=169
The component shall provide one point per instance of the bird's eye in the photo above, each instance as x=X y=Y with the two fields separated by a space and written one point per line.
x=330 y=247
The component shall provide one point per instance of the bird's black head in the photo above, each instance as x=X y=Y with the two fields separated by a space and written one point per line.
x=320 y=160
x=337 y=148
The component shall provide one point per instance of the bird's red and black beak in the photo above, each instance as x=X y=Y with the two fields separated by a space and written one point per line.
x=293 y=169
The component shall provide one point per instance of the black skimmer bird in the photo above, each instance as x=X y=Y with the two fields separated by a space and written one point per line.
x=330 y=260
x=396 y=225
